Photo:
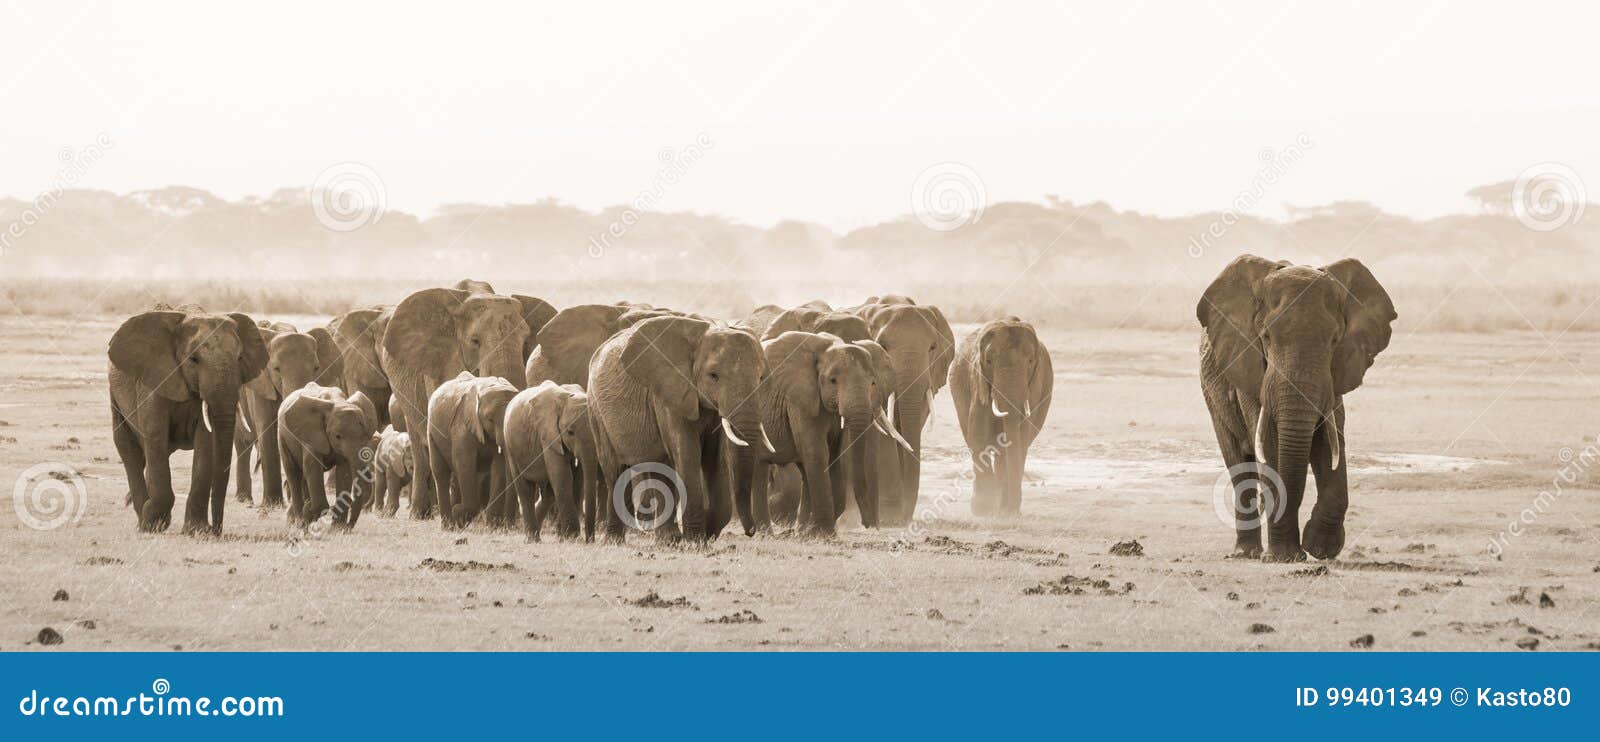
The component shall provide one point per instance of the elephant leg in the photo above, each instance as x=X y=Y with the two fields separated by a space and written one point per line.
x=910 y=482
x=752 y=508
x=133 y=463
x=199 y=500
x=380 y=486
x=1324 y=531
x=297 y=487
x=819 y=489
x=243 y=444
x=725 y=476
x=424 y=485
x=1283 y=518
x=591 y=500
x=441 y=475
x=685 y=451
x=271 y=462
x=884 y=454
x=156 y=516
x=784 y=498
x=316 y=493
x=1238 y=455
x=464 y=460
x=394 y=484
x=565 y=484
x=838 y=485
x=526 y=493
x=606 y=497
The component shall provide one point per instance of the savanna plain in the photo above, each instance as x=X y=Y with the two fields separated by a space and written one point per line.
x=1453 y=438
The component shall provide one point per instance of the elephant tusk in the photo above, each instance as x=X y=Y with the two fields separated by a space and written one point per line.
x=727 y=429
x=1027 y=408
x=1261 y=420
x=205 y=416
x=890 y=414
x=841 y=422
x=765 y=441
x=1332 y=433
x=994 y=406
x=888 y=430
x=245 y=421
x=928 y=405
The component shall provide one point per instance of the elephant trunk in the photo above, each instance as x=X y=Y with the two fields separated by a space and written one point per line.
x=911 y=411
x=1295 y=420
x=1009 y=393
x=506 y=364
x=219 y=409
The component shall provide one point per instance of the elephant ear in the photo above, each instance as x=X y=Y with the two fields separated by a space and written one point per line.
x=792 y=368
x=421 y=336
x=1230 y=313
x=553 y=419
x=882 y=369
x=253 y=352
x=537 y=313
x=262 y=385
x=660 y=352
x=789 y=320
x=145 y=346
x=1042 y=380
x=940 y=373
x=1368 y=312
x=572 y=335
x=328 y=357
x=473 y=287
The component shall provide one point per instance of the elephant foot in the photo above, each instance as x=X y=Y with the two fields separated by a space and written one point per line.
x=244 y=499
x=1277 y=553
x=1323 y=542
x=197 y=528
x=614 y=538
x=1247 y=545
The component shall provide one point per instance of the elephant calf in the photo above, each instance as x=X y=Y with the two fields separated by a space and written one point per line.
x=392 y=470
x=294 y=359
x=466 y=437
x=550 y=443
x=320 y=429
x=1002 y=381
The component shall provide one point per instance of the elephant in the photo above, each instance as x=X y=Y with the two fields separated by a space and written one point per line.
x=392 y=469
x=550 y=443
x=320 y=429
x=466 y=442
x=294 y=359
x=676 y=390
x=847 y=326
x=1282 y=344
x=175 y=379
x=569 y=338
x=1001 y=382
x=760 y=318
x=921 y=346
x=436 y=334
x=821 y=397
x=472 y=286
x=358 y=335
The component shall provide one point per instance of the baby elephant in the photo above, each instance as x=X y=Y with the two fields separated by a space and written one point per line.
x=1002 y=381
x=320 y=429
x=392 y=470
x=466 y=435
x=551 y=445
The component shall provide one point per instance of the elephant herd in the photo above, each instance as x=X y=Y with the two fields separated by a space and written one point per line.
x=599 y=419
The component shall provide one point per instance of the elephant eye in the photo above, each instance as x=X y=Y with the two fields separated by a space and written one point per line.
x=194 y=359
x=714 y=376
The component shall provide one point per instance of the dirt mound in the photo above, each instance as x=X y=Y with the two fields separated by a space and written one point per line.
x=1131 y=547
x=741 y=616
x=653 y=599
x=1074 y=585
x=471 y=565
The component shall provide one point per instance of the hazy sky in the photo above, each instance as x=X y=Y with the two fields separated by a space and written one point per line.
x=823 y=111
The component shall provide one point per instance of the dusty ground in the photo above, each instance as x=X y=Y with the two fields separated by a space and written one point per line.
x=1452 y=438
